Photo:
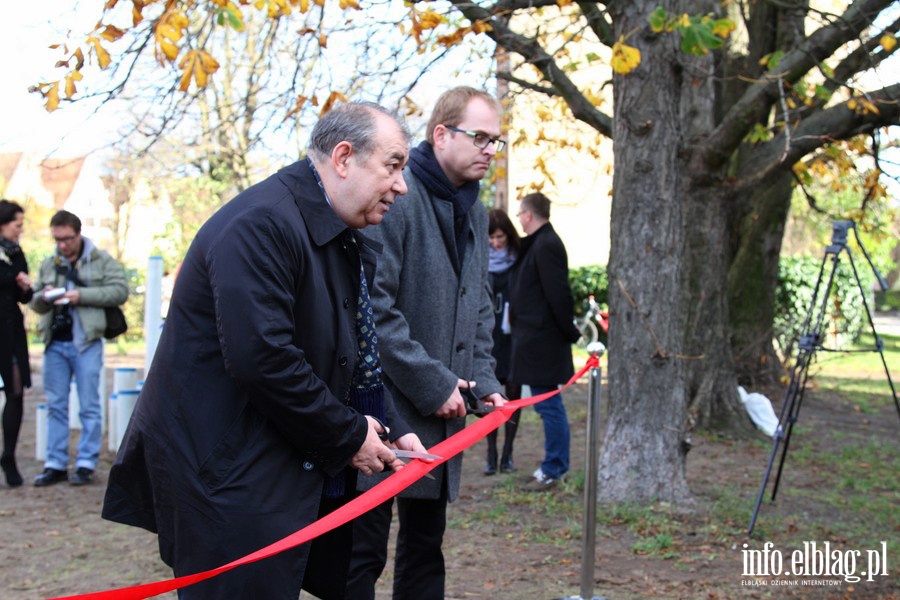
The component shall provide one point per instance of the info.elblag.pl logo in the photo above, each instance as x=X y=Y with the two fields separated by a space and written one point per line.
x=813 y=560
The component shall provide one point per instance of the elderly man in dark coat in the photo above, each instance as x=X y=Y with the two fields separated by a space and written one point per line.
x=253 y=420
x=541 y=313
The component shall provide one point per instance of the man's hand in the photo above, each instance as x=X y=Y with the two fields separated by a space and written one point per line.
x=495 y=399
x=74 y=296
x=23 y=280
x=374 y=455
x=455 y=405
x=411 y=441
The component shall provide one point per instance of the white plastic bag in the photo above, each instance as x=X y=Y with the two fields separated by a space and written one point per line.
x=760 y=410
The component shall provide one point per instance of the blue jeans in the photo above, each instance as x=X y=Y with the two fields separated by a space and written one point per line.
x=61 y=361
x=556 y=433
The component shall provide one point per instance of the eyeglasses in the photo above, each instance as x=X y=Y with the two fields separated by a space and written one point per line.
x=65 y=239
x=481 y=140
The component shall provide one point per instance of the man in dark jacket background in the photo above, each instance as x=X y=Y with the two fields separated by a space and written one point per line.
x=541 y=313
x=258 y=408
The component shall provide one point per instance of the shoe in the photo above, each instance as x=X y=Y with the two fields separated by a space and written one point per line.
x=50 y=477
x=506 y=466
x=82 y=476
x=490 y=469
x=13 y=477
x=540 y=481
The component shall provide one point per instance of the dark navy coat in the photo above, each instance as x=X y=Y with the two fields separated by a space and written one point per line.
x=541 y=312
x=244 y=410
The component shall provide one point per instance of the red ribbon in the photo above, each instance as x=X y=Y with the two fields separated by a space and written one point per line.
x=387 y=489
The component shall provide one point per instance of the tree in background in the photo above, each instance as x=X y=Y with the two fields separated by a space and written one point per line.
x=716 y=104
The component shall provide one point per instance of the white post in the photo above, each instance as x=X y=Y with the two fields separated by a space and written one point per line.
x=40 y=434
x=125 y=402
x=112 y=436
x=152 y=308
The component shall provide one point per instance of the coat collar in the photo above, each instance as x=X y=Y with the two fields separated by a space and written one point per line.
x=323 y=223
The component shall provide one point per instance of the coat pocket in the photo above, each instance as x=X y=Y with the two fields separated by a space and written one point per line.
x=233 y=450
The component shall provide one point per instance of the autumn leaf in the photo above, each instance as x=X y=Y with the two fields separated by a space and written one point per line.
x=111 y=33
x=624 y=58
x=329 y=104
x=71 y=78
x=197 y=65
x=52 y=96
x=888 y=42
x=103 y=58
x=345 y=4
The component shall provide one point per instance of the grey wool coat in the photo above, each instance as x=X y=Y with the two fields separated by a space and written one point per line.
x=434 y=319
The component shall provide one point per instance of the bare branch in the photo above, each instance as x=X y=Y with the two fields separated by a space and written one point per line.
x=757 y=101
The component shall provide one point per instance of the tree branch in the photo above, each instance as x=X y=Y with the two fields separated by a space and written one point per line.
x=757 y=101
x=836 y=123
x=533 y=53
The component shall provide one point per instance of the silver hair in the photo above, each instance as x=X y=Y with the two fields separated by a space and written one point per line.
x=355 y=123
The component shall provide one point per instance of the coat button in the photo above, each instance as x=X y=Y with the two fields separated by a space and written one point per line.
x=342 y=361
x=460 y=347
x=308 y=466
x=346 y=302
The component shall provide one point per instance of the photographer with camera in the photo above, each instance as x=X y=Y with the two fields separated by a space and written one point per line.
x=74 y=286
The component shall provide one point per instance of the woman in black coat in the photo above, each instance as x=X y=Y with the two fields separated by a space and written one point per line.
x=504 y=240
x=15 y=288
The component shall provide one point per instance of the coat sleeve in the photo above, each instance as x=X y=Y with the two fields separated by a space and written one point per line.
x=46 y=276
x=108 y=285
x=254 y=271
x=422 y=379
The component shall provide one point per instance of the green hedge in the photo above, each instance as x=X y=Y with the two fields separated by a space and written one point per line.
x=585 y=281
x=845 y=312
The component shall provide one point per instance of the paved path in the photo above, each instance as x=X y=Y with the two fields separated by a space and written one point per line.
x=887 y=323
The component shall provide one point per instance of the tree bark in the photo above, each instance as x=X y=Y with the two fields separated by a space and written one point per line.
x=752 y=280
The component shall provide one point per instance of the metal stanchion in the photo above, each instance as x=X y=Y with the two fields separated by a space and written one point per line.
x=591 y=467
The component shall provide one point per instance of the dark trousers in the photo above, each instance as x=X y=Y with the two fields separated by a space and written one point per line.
x=419 y=562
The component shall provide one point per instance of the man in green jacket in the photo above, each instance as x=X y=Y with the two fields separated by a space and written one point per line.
x=76 y=283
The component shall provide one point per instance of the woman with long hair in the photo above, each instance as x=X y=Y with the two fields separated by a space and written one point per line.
x=504 y=241
x=15 y=288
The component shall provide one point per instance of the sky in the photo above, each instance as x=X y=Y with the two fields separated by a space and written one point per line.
x=25 y=125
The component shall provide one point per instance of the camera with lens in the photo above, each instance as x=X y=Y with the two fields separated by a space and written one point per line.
x=62 y=321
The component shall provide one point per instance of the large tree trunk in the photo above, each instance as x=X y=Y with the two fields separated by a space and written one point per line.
x=752 y=280
x=669 y=339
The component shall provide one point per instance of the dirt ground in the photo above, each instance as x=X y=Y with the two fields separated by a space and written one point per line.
x=53 y=542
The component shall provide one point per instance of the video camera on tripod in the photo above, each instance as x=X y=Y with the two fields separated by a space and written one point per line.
x=811 y=339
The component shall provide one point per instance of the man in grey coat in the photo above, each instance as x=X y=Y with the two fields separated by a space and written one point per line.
x=434 y=316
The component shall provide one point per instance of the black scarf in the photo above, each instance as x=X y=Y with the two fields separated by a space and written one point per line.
x=424 y=165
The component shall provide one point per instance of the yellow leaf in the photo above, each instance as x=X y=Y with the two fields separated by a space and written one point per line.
x=430 y=19
x=334 y=97
x=52 y=96
x=345 y=4
x=481 y=27
x=562 y=3
x=888 y=42
x=723 y=27
x=624 y=58
x=323 y=40
x=169 y=49
x=111 y=33
x=868 y=106
x=103 y=58
x=304 y=6
x=71 y=78
x=209 y=64
x=851 y=104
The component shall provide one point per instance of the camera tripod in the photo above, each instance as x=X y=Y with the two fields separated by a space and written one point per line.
x=811 y=339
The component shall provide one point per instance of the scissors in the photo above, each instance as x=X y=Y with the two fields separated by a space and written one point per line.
x=415 y=454
x=474 y=404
